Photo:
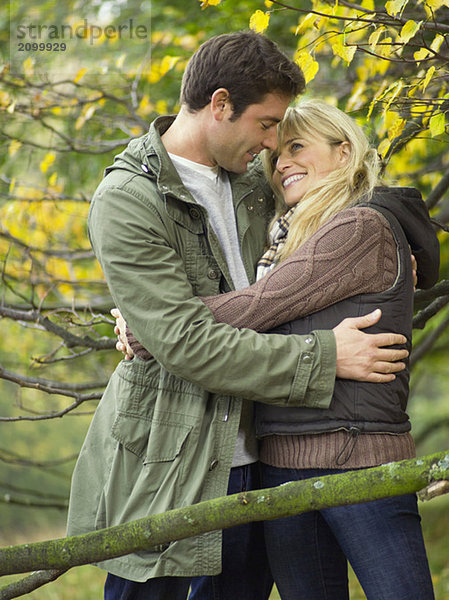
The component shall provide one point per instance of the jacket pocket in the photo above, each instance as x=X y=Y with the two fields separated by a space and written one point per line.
x=165 y=441
x=151 y=440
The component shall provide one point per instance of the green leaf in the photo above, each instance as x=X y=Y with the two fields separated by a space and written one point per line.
x=437 y=124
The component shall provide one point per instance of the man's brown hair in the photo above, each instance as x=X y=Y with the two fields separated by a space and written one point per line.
x=247 y=64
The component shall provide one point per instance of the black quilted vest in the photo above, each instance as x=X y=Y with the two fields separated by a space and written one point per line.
x=368 y=407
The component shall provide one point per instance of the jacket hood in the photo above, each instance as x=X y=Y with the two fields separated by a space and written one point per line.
x=407 y=205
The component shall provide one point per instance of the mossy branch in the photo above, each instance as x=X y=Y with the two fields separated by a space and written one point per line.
x=352 y=487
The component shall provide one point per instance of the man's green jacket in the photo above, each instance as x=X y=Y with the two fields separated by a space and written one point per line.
x=164 y=433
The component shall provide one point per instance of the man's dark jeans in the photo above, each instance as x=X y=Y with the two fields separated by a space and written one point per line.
x=245 y=576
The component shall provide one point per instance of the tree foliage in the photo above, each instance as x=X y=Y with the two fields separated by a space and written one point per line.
x=63 y=116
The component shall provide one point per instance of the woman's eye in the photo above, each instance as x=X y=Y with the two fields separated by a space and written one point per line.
x=296 y=146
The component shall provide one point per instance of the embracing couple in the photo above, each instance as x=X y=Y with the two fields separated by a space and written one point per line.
x=247 y=245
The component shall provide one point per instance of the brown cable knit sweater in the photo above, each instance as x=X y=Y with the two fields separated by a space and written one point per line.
x=353 y=253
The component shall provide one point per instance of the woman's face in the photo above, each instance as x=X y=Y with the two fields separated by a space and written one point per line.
x=303 y=163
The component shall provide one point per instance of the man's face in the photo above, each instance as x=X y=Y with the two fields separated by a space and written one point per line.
x=236 y=143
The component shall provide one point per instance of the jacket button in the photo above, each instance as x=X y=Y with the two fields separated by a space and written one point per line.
x=195 y=213
x=213 y=464
x=144 y=168
x=308 y=340
x=213 y=274
x=307 y=358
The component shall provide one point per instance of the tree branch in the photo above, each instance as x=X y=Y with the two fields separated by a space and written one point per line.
x=30 y=583
x=426 y=345
x=292 y=498
x=419 y=322
x=422 y=297
x=438 y=191
x=70 y=340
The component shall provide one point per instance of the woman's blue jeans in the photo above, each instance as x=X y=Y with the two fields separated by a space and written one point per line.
x=382 y=540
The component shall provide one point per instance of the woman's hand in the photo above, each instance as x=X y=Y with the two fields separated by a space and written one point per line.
x=122 y=344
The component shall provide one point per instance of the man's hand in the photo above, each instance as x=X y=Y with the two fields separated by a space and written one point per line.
x=362 y=356
x=122 y=344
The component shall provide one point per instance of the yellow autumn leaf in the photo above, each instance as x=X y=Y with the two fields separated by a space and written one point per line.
x=412 y=91
x=113 y=37
x=368 y=4
x=4 y=98
x=268 y=3
x=396 y=128
x=145 y=107
x=437 y=41
x=52 y=179
x=395 y=90
x=88 y=111
x=167 y=63
x=49 y=159
x=345 y=52
x=161 y=107
x=393 y=7
x=408 y=31
x=308 y=65
x=427 y=78
x=14 y=147
x=258 y=21
x=383 y=147
x=155 y=72
x=80 y=74
x=421 y=54
x=12 y=185
x=29 y=193
x=120 y=61
x=378 y=96
x=384 y=49
x=206 y=3
x=436 y=4
x=357 y=98
x=306 y=23
x=136 y=130
x=437 y=124
x=28 y=67
x=374 y=37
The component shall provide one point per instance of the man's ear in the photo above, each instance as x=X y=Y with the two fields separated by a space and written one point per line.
x=220 y=104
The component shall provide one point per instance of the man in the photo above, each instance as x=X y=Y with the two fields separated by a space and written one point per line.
x=183 y=212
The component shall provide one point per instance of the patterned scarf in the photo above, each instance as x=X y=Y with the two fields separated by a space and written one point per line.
x=278 y=235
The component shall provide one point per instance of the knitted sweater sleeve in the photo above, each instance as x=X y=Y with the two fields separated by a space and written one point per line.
x=353 y=253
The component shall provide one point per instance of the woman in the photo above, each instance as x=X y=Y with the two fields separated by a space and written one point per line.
x=337 y=250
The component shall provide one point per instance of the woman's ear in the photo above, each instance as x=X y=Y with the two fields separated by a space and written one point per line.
x=344 y=152
x=220 y=104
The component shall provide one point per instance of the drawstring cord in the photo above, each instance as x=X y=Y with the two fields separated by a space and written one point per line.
x=348 y=447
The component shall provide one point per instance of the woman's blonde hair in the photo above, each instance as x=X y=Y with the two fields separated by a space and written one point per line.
x=343 y=187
